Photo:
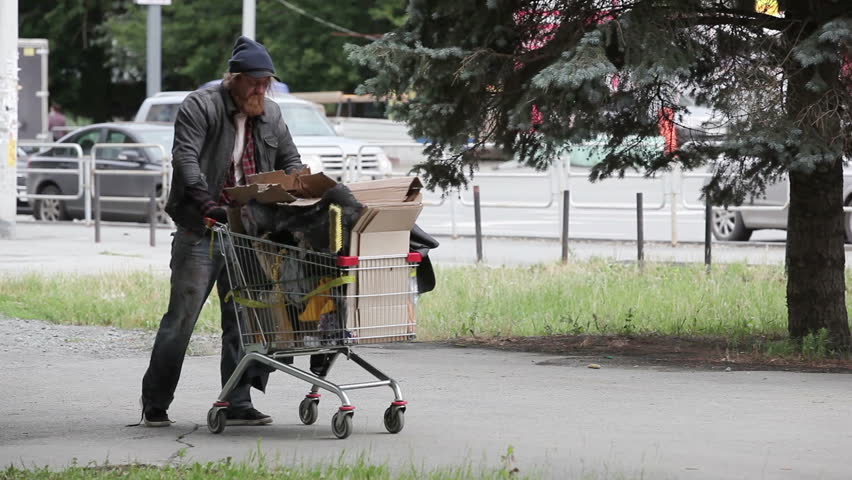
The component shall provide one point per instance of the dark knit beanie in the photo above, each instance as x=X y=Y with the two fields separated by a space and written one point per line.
x=251 y=58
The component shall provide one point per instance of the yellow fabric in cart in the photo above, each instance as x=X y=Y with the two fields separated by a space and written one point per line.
x=319 y=305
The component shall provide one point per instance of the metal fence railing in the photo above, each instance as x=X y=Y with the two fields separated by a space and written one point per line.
x=163 y=174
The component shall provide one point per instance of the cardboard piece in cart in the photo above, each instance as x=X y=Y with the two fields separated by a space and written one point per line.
x=384 y=229
x=300 y=189
x=387 y=190
x=392 y=207
x=383 y=309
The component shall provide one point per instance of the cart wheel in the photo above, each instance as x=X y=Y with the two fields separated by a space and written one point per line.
x=341 y=424
x=308 y=411
x=216 y=420
x=394 y=419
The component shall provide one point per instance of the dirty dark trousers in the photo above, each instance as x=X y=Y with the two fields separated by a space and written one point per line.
x=195 y=268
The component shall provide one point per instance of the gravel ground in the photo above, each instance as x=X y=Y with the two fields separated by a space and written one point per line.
x=44 y=338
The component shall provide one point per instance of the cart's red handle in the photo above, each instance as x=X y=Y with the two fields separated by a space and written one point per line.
x=210 y=222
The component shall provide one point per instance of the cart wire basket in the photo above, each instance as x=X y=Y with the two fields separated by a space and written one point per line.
x=292 y=301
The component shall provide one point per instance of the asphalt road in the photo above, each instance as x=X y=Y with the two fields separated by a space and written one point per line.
x=467 y=407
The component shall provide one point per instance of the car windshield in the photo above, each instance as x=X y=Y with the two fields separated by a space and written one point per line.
x=305 y=120
x=163 y=137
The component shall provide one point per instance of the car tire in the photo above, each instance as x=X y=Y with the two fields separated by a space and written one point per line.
x=49 y=209
x=847 y=221
x=160 y=214
x=728 y=226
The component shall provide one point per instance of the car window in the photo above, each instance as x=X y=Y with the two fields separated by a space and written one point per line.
x=86 y=140
x=165 y=112
x=305 y=120
x=112 y=153
x=164 y=138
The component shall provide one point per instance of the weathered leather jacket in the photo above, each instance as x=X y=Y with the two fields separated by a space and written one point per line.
x=204 y=141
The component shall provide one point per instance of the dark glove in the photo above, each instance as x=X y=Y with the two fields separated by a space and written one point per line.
x=219 y=214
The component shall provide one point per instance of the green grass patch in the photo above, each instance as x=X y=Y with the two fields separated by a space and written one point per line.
x=595 y=297
x=260 y=469
x=125 y=300
x=600 y=297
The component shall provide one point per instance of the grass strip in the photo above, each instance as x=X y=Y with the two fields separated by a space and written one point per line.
x=594 y=297
x=125 y=300
x=357 y=469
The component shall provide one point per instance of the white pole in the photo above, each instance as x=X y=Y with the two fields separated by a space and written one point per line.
x=8 y=115
x=248 y=18
x=154 y=47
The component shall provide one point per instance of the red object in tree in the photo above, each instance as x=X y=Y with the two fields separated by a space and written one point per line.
x=667 y=129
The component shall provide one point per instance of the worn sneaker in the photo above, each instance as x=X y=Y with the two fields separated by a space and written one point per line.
x=246 y=416
x=156 y=417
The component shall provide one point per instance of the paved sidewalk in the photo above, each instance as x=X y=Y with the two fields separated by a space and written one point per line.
x=70 y=247
x=467 y=406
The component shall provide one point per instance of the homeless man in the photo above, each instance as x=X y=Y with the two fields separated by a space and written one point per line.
x=223 y=134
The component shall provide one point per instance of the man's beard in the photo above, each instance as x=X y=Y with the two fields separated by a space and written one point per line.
x=251 y=105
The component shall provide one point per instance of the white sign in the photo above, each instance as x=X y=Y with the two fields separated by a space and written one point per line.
x=165 y=3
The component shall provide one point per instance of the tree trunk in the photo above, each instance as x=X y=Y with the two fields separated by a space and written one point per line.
x=816 y=287
x=816 y=260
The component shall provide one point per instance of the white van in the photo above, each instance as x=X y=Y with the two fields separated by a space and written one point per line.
x=318 y=142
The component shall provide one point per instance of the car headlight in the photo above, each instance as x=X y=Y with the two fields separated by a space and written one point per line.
x=384 y=163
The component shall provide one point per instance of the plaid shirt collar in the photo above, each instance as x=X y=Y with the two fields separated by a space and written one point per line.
x=247 y=162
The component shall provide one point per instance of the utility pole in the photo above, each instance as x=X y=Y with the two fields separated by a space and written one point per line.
x=154 y=45
x=8 y=116
x=249 y=9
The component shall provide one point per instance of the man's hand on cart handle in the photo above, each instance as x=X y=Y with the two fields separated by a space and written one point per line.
x=219 y=214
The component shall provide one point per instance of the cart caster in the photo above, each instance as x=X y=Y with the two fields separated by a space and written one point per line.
x=395 y=417
x=341 y=423
x=308 y=410
x=216 y=420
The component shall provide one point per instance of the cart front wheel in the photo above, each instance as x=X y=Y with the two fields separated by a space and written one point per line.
x=341 y=424
x=394 y=419
x=216 y=420
x=308 y=411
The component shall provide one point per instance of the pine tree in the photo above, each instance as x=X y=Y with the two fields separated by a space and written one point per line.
x=538 y=77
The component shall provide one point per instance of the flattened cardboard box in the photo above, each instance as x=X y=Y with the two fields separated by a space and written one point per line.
x=387 y=190
x=297 y=189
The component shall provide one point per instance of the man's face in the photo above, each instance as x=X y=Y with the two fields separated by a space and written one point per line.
x=248 y=93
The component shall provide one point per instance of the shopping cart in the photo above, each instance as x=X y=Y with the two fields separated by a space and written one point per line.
x=292 y=301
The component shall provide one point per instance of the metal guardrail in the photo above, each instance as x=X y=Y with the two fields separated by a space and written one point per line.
x=304 y=150
x=550 y=192
x=664 y=179
x=80 y=171
x=164 y=172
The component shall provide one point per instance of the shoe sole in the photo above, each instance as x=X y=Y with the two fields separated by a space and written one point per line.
x=149 y=423
x=239 y=422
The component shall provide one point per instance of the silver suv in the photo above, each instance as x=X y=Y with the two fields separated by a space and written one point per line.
x=318 y=142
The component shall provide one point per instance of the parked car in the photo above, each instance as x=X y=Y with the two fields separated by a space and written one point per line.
x=117 y=158
x=22 y=205
x=321 y=147
x=738 y=225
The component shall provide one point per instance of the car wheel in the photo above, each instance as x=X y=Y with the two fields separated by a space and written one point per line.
x=49 y=209
x=728 y=226
x=161 y=215
x=847 y=221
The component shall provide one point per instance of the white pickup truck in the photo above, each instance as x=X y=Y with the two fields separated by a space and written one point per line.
x=321 y=147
